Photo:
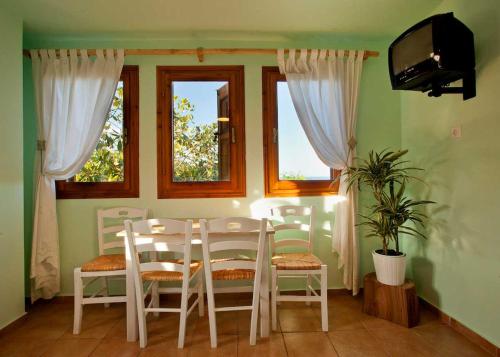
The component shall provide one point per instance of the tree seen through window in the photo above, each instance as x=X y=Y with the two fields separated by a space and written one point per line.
x=106 y=162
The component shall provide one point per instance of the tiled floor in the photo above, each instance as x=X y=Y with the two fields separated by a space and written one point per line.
x=47 y=332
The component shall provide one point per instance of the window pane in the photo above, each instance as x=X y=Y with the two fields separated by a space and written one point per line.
x=201 y=131
x=297 y=159
x=106 y=163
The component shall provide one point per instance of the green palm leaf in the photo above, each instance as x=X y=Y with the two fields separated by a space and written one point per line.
x=387 y=175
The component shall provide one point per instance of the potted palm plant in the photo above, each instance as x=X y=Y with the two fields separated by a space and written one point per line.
x=386 y=176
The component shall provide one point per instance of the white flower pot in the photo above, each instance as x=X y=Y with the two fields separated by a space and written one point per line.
x=390 y=270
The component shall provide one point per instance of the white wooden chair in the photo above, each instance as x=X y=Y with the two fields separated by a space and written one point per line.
x=295 y=222
x=154 y=271
x=231 y=235
x=106 y=266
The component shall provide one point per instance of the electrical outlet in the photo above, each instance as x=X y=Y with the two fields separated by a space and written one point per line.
x=456 y=132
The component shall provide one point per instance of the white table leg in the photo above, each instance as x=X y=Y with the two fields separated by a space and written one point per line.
x=264 y=294
x=131 y=305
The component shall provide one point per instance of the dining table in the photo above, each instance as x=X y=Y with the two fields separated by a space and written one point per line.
x=132 y=324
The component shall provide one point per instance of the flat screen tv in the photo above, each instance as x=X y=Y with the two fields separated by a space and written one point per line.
x=432 y=54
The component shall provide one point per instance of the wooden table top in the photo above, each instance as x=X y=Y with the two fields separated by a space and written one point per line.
x=196 y=232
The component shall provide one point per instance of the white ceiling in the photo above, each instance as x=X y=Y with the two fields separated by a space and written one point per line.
x=133 y=17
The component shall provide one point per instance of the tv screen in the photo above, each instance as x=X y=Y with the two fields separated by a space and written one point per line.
x=415 y=48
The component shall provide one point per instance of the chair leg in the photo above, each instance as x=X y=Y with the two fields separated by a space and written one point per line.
x=308 y=291
x=78 y=285
x=105 y=288
x=211 y=311
x=183 y=316
x=155 y=296
x=143 y=332
x=278 y=293
x=324 y=298
x=141 y=316
x=201 y=297
x=255 y=313
x=274 y=287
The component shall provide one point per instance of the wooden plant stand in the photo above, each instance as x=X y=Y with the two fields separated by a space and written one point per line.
x=398 y=304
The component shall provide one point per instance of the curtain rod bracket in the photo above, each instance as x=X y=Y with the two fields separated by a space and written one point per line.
x=200 y=54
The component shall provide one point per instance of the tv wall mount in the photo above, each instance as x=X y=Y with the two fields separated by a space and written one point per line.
x=468 y=88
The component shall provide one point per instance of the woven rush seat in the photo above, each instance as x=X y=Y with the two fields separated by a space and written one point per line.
x=233 y=274
x=296 y=261
x=106 y=262
x=159 y=275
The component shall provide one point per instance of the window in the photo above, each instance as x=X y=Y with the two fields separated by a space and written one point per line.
x=201 y=135
x=113 y=169
x=291 y=167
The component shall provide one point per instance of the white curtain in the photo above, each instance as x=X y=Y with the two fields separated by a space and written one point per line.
x=73 y=97
x=324 y=86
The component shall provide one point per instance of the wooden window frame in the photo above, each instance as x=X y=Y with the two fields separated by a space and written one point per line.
x=236 y=186
x=130 y=186
x=274 y=187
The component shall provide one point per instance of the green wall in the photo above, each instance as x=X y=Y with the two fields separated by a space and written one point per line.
x=457 y=268
x=11 y=172
x=379 y=127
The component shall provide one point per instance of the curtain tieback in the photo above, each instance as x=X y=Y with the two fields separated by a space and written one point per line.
x=40 y=145
x=352 y=143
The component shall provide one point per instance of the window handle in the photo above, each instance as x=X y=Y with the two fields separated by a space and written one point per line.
x=125 y=137
x=233 y=135
x=275 y=135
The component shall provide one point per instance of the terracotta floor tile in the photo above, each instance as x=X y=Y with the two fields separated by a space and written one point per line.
x=112 y=347
x=167 y=324
x=375 y=323
x=92 y=327
x=74 y=347
x=294 y=319
x=274 y=346
x=165 y=346
x=308 y=344
x=347 y=301
x=98 y=310
x=227 y=324
x=244 y=318
x=51 y=307
x=40 y=329
x=163 y=350
x=227 y=345
x=448 y=342
x=342 y=317
x=13 y=347
x=354 y=343
x=48 y=326
x=427 y=316
x=403 y=342
x=62 y=315
x=118 y=330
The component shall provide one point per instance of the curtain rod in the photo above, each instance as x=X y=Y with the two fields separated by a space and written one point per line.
x=201 y=52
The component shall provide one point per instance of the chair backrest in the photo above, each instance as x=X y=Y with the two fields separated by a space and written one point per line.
x=176 y=237
x=219 y=235
x=116 y=216
x=293 y=223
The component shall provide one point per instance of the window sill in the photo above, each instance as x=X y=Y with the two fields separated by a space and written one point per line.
x=73 y=190
x=299 y=193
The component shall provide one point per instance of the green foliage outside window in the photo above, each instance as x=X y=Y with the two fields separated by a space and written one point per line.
x=292 y=176
x=195 y=146
x=106 y=162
